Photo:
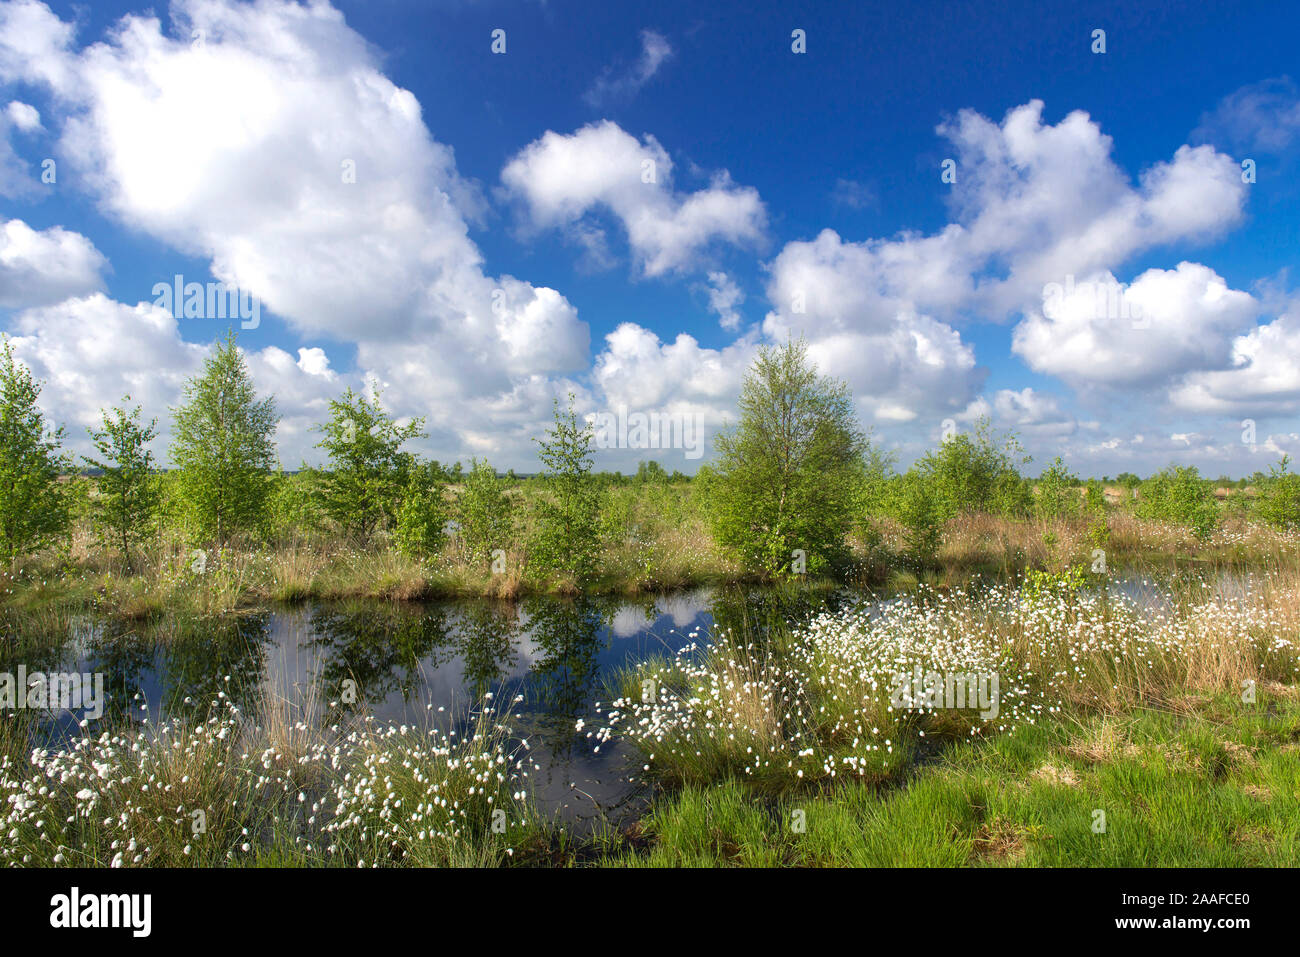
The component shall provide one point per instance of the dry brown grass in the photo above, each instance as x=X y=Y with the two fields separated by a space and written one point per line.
x=664 y=544
x=1105 y=741
x=294 y=569
x=1000 y=842
x=1058 y=775
x=745 y=680
x=1213 y=640
x=980 y=540
x=984 y=542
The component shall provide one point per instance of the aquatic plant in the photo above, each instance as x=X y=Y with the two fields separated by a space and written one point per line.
x=840 y=695
x=232 y=789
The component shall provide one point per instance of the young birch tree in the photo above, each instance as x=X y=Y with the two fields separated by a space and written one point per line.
x=223 y=447
x=33 y=503
x=129 y=492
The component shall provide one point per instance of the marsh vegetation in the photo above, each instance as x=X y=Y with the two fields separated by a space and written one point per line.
x=386 y=660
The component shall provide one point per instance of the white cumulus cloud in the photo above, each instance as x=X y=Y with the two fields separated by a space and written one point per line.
x=38 y=267
x=1167 y=322
x=563 y=178
x=278 y=150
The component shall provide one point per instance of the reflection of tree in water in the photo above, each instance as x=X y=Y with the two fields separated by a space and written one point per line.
x=57 y=645
x=380 y=647
x=196 y=660
x=124 y=656
x=39 y=642
x=486 y=638
x=568 y=636
x=37 y=648
x=755 y=614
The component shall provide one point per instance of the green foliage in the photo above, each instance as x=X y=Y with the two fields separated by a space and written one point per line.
x=650 y=471
x=295 y=505
x=33 y=504
x=223 y=448
x=874 y=492
x=1013 y=496
x=421 y=520
x=484 y=513
x=671 y=506
x=1094 y=497
x=976 y=472
x=78 y=492
x=1095 y=506
x=126 y=510
x=921 y=516
x=429 y=472
x=1056 y=496
x=1279 y=496
x=367 y=470
x=618 y=515
x=1045 y=587
x=1181 y=497
x=569 y=530
x=787 y=475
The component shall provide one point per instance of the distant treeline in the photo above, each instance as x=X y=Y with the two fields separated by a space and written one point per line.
x=789 y=483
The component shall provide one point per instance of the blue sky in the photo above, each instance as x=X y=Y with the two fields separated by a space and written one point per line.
x=520 y=172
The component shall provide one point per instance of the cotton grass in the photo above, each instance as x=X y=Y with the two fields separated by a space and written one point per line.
x=231 y=789
x=833 y=698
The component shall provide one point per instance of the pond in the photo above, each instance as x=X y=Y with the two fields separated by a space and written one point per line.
x=429 y=663
x=418 y=664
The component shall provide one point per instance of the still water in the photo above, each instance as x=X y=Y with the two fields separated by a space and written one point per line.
x=421 y=664
x=430 y=663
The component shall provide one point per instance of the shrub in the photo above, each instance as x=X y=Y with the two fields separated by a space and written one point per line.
x=1094 y=497
x=367 y=470
x=222 y=448
x=34 y=506
x=484 y=514
x=295 y=506
x=1012 y=495
x=786 y=474
x=567 y=537
x=1046 y=588
x=127 y=506
x=1056 y=496
x=922 y=519
x=1279 y=497
x=420 y=531
x=976 y=472
x=1179 y=496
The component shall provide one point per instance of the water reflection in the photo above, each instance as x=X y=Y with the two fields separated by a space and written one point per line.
x=567 y=638
x=404 y=662
x=366 y=653
x=487 y=642
x=409 y=663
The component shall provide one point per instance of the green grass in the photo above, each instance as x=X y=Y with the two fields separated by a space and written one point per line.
x=1200 y=780
x=654 y=538
x=1139 y=747
x=1212 y=786
x=1186 y=774
x=235 y=790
